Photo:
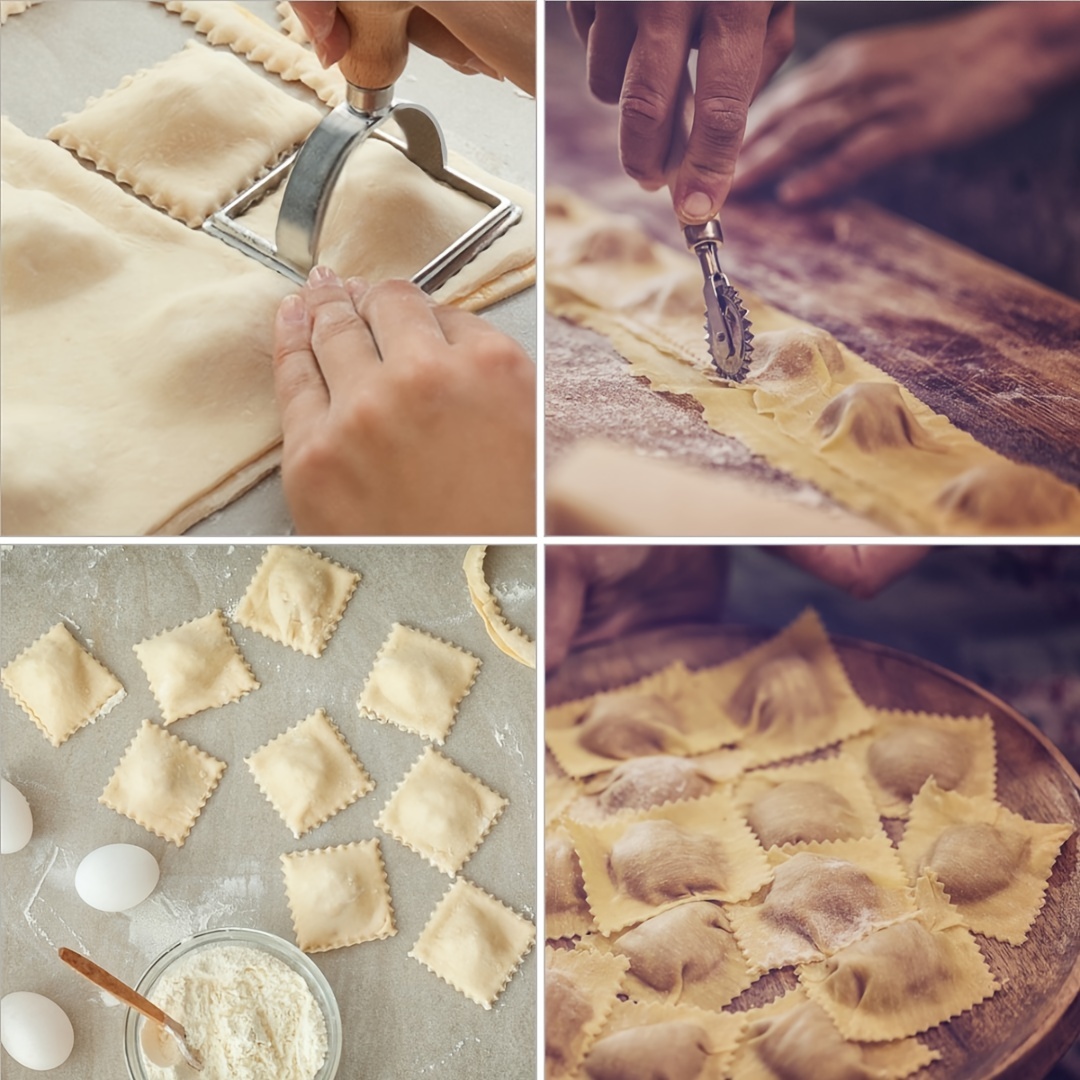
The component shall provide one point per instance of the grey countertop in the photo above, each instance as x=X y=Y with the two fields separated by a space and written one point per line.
x=399 y=1020
x=57 y=55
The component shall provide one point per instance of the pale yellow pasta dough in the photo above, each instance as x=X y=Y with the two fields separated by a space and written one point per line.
x=441 y=812
x=684 y=956
x=338 y=896
x=162 y=783
x=993 y=864
x=809 y=405
x=309 y=773
x=793 y=1037
x=297 y=598
x=566 y=905
x=823 y=897
x=195 y=666
x=510 y=639
x=904 y=749
x=674 y=854
x=789 y=695
x=151 y=131
x=641 y=1042
x=473 y=942
x=14 y=7
x=579 y=993
x=825 y=799
x=167 y=396
x=59 y=685
x=905 y=978
x=417 y=683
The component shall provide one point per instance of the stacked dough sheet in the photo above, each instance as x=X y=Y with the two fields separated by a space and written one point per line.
x=707 y=828
x=309 y=771
x=137 y=388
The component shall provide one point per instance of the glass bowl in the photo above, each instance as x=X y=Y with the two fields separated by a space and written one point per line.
x=283 y=950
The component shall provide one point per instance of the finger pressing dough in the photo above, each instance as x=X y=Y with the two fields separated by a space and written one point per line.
x=417 y=683
x=338 y=896
x=151 y=132
x=993 y=864
x=297 y=598
x=195 y=666
x=441 y=812
x=162 y=783
x=60 y=686
x=904 y=749
x=309 y=773
x=809 y=405
x=473 y=942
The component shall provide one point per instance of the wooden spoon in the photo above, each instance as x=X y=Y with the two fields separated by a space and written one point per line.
x=122 y=992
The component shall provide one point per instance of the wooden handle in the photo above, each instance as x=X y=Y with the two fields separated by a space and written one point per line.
x=378 y=47
x=121 y=991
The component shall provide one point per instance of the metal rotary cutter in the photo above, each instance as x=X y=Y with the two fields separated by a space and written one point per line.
x=727 y=327
x=376 y=59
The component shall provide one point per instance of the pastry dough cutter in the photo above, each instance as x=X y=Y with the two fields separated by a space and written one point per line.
x=375 y=60
x=727 y=327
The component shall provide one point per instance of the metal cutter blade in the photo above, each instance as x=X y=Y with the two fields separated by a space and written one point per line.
x=727 y=327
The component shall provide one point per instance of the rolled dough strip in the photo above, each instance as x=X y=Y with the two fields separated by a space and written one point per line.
x=512 y=640
x=810 y=406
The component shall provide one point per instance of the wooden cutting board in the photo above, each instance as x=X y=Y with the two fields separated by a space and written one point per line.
x=1035 y=1017
x=996 y=352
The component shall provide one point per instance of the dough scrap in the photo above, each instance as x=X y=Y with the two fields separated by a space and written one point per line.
x=417 y=683
x=309 y=773
x=906 y=748
x=687 y=955
x=662 y=858
x=579 y=993
x=505 y=268
x=826 y=799
x=441 y=812
x=510 y=639
x=993 y=864
x=823 y=897
x=338 y=896
x=566 y=904
x=297 y=598
x=60 y=686
x=195 y=666
x=162 y=783
x=792 y=1036
x=641 y=1042
x=789 y=695
x=14 y=7
x=473 y=942
x=905 y=978
x=803 y=390
x=151 y=131
x=177 y=402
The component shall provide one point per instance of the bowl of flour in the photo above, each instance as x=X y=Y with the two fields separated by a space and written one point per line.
x=253 y=1005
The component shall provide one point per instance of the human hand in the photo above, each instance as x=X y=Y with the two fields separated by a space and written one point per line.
x=495 y=39
x=874 y=98
x=638 y=55
x=596 y=592
x=862 y=570
x=401 y=417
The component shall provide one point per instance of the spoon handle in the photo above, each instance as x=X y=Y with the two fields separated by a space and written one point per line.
x=121 y=991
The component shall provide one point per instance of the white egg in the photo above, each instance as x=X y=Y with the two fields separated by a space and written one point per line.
x=16 y=821
x=35 y=1031
x=116 y=877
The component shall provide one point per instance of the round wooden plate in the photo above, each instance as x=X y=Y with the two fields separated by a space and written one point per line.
x=1025 y=1027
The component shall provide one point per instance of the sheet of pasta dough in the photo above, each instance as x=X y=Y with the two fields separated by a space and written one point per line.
x=809 y=405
